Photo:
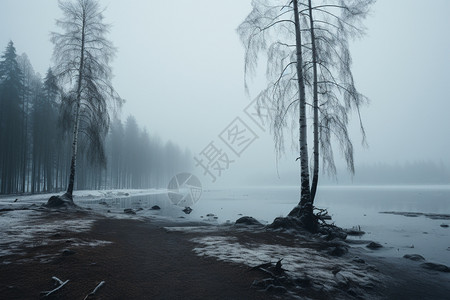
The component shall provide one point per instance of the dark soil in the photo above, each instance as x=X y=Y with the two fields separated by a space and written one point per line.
x=143 y=262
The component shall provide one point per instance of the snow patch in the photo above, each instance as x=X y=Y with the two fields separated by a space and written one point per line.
x=8 y=201
x=297 y=261
x=90 y=243
x=26 y=228
x=207 y=228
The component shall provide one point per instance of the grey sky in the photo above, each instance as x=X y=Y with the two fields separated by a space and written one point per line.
x=180 y=68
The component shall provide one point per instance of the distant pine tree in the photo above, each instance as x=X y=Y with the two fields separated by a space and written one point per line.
x=11 y=121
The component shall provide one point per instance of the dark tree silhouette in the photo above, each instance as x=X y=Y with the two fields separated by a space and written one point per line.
x=11 y=125
x=35 y=148
x=28 y=82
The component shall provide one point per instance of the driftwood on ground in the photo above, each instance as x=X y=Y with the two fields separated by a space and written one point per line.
x=92 y=294
x=60 y=285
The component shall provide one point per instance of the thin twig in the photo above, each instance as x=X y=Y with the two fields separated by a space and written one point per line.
x=95 y=290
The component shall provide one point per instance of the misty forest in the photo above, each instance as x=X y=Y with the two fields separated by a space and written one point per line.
x=36 y=140
x=120 y=178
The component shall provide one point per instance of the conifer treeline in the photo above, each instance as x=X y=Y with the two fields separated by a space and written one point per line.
x=35 y=150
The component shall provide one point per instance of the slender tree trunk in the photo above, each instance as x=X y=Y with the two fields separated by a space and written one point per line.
x=73 y=162
x=39 y=173
x=25 y=143
x=57 y=166
x=315 y=178
x=33 y=172
x=304 y=208
x=77 y=117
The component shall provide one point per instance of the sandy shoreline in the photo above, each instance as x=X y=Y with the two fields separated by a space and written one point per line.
x=155 y=259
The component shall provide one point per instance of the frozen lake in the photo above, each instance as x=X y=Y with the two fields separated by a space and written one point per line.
x=348 y=205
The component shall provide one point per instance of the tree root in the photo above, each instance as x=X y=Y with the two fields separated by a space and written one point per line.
x=60 y=201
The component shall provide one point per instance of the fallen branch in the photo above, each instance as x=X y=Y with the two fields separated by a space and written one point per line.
x=263 y=265
x=278 y=267
x=268 y=272
x=92 y=294
x=269 y=269
x=322 y=214
x=61 y=284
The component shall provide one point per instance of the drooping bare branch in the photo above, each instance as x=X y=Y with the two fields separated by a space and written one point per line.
x=82 y=54
x=327 y=26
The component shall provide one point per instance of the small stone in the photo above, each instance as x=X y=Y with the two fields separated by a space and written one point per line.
x=246 y=220
x=374 y=245
x=444 y=225
x=129 y=211
x=187 y=210
x=414 y=257
x=67 y=252
x=155 y=207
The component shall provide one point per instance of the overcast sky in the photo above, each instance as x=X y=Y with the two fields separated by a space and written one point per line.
x=180 y=67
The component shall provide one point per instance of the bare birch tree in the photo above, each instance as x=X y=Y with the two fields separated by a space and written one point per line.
x=82 y=54
x=307 y=53
x=274 y=28
x=331 y=24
